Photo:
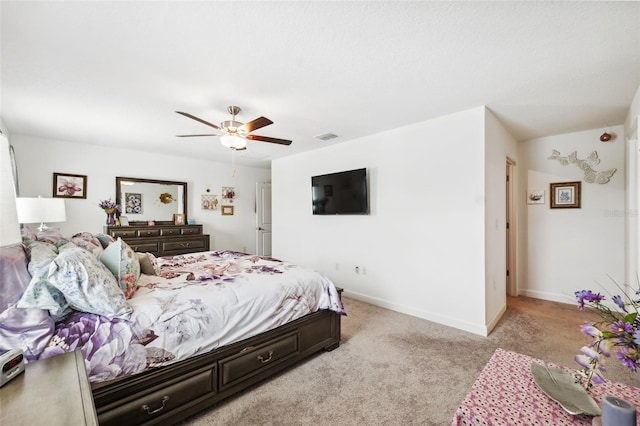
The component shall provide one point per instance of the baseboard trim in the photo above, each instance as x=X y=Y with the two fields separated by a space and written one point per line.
x=552 y=297
x=480 y=329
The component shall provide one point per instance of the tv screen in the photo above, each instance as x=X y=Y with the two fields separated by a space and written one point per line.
x=340 y=193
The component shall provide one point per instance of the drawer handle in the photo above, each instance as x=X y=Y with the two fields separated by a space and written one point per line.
x=146 y=408
x=185 y=244
x=263 y=360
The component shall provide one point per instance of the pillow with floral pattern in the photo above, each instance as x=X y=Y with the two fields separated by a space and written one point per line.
x=148 y=263
x=89 y=242
x=123 y=263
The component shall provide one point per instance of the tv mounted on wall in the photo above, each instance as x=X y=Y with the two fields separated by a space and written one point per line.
x=340 y=193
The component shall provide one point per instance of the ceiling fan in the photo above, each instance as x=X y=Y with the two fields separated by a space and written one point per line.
x=235 y=133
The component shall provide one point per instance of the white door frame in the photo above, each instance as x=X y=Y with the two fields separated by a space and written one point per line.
x=263 y=219
x=511 y=235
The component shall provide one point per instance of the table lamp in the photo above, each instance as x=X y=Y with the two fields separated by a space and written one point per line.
x=40 y=210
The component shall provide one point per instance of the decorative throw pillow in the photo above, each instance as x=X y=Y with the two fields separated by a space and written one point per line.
x=148 y=263
x=53 y=236
x=72 y=279
x=124 y=264
x=27 y=234
x=87 y=285
x=87 y=241
x=40 y=294
x=105 y=240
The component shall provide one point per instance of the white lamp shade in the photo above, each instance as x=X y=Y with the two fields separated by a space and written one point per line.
x=40 y=210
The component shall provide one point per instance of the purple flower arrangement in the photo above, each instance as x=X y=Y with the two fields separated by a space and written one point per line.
x=618 y=331
x=109 y=205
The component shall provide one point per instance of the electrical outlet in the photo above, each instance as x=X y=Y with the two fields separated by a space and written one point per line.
x=363 y=270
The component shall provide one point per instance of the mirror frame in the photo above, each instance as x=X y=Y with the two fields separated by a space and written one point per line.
x=119 y=179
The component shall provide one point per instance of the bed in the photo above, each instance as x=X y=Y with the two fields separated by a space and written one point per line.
x=164 y=337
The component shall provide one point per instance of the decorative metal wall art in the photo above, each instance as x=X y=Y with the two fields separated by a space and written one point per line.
x=590 y=175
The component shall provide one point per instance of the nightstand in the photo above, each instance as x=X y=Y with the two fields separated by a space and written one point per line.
x=52 y=391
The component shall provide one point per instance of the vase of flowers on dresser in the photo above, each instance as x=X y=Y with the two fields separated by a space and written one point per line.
x=111 y=209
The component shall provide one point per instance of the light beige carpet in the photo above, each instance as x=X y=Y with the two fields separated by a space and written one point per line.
x=394 y=369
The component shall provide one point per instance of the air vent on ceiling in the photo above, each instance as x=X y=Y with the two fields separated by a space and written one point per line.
x=326 y=136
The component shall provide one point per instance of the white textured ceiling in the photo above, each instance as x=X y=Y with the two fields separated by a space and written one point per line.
x=113 y=73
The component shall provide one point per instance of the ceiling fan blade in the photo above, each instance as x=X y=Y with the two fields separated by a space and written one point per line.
x=191 y=136
x=256 y=124
x=268 y=139
x=186 y=114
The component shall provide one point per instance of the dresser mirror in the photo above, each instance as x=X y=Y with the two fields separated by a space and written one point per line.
x=143 y=200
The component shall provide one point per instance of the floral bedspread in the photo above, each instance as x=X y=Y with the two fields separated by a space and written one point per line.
x=198 y=302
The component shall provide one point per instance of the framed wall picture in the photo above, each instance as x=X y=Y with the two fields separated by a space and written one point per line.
x=227 y=210
x=132 y=203
x=535 y=196
x=124 y=221
x=179 y=219
x=209 y=202
x=66 y=185
x=565 y=195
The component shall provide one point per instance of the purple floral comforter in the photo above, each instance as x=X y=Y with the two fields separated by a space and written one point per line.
x=198 y=302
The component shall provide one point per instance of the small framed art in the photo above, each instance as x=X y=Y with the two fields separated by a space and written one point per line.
x=66 y=185
x=565 y=195
x=179 y=219
x=227 y=210
x=535 y=197
x=124 y=221
x=209 y=202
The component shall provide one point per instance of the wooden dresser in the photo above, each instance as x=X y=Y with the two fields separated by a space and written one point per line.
x=162 y=240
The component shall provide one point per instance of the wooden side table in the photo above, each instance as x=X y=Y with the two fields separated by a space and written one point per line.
x=52 y=391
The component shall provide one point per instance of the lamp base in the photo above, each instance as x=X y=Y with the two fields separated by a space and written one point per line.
x=42 y=227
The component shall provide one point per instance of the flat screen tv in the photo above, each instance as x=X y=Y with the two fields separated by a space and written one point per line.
x=340 y=193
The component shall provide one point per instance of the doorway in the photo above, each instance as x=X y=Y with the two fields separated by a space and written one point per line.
x=263 y=219
x=512 y=285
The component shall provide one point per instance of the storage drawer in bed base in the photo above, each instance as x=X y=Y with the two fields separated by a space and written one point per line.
x=207 y=379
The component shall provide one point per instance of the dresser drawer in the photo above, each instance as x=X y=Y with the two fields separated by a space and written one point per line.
x=160 y=400
x=143 y=247
x=123 y=232
x=254 y=360
x=184 y=244
x=191 y=230
x=148 y=232
x=169 y=231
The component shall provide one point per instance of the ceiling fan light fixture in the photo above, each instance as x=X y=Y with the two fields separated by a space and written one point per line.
x=233 y=141
x=231 y=126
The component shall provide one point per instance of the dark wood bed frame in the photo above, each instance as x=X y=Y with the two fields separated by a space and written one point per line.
x=166 y=395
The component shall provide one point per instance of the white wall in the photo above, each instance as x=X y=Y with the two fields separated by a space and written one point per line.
x=632 y=196
x=423 y=244
x=499 y=145
x=573 y=249
x=39 y=158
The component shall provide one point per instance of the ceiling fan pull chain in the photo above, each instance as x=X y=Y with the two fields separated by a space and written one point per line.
x=233 y=163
